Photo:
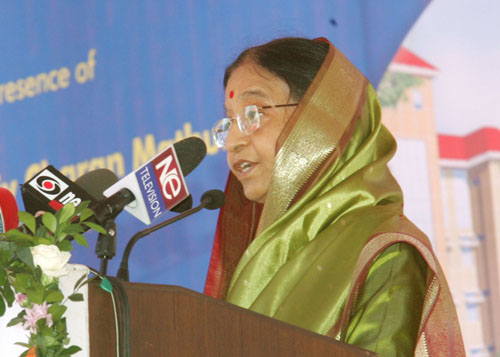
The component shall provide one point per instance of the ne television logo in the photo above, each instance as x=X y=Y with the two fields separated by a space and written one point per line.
x=162 y=183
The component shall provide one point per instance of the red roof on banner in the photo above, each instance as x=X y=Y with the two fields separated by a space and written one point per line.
x=466 y=147
x=405 y=56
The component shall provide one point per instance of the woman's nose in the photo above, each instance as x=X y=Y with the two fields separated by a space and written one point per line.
x=235 y=139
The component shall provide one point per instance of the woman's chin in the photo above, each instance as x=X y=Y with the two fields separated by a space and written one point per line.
x=254 y=195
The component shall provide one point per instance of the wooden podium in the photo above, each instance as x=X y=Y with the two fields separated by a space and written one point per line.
x=173 y=321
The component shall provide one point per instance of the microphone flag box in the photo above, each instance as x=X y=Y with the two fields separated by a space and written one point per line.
x=49 y=190
x=158 y=186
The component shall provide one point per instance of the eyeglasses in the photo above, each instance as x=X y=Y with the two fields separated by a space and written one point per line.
x=247 y=124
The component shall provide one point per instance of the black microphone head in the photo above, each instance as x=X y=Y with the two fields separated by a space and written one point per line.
x=97 y=181
x=190 y=153
x=49 y=190
x=183 y=205
x=213 y=198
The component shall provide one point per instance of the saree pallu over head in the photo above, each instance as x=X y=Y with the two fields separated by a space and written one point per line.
x=331 y=209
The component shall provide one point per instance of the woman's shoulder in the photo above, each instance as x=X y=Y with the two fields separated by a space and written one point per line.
x=387 y=313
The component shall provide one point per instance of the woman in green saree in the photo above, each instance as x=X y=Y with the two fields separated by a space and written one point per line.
x=313 y=231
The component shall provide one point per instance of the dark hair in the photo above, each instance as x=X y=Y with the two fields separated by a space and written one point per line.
x=294 y=60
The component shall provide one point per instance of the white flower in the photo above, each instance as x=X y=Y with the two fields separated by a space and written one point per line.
x=50 y=259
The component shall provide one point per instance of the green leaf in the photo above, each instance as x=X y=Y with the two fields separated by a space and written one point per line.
x=54 y=296
x=16 y=236
x=57 y=311
x=71 y=350
x=61 y=236
x=8 y=295
x=63 y=225
x=41 y=231
x=95 y=227
x=20 y=268
x=49 y=221
x=87 y=281
x=21 y=283
x=21 y=313
x=35 y=294
x=37 y=273
x=65 y=246
x=79 y=281
x=20 y=316
x=28 y=220
x=52 y=351
x=81 y=207
x=80 y=239
x=24 y=253
x=44 y=335
x=4 y=247
x=59 y=329
x=65 y=213
x=43 y=339
x=52 y=286
x=15 y=321
x=2 y=306
x=42 y=240
x=5 y=253
x=73 y=228
x=23 y=344
x=3 y=276
x=86 y=213
x=76 y=297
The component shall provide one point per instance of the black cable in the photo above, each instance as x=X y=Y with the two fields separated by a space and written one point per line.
x=123 y=315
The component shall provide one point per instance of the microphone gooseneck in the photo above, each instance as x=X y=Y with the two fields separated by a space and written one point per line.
x=212 y=199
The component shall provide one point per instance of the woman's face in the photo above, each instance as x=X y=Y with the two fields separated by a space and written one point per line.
x=251 y=157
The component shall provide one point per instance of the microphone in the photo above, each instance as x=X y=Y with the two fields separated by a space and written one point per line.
x=49 y=190
x=97 y=181
x=8 y=211
x=106 y=209
x=212 y=199
x=158 y=185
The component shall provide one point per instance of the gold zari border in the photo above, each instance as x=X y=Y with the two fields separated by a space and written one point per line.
x=319 y=122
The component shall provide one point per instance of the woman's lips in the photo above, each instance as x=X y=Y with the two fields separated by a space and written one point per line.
x=242 y=167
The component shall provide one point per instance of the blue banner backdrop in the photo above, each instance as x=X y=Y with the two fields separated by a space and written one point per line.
x=90 y=84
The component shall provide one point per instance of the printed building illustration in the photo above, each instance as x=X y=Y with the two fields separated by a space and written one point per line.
x=451 y=186
x=470 y=177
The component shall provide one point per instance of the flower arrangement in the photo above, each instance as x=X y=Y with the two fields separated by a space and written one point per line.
x=31 y=261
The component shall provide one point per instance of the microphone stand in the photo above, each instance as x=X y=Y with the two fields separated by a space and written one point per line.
x=105 y=212
x=212 y=199
x=105 y=248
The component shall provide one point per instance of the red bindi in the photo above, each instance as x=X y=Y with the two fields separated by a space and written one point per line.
x=231 y=94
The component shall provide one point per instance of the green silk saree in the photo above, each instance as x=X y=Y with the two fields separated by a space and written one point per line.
x=330 y=249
